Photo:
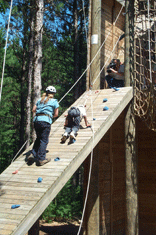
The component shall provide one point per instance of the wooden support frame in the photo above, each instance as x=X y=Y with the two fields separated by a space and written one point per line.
x=132 y=226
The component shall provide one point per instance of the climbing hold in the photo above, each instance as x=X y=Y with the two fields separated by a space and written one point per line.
x=39 y=179
x=94 y=119
x=15 y=206
x=116 y=89
x=57 y=159
x=73 y=140
x=105 y=108
x=96 y=92
x=105 y=100
x=15 y=172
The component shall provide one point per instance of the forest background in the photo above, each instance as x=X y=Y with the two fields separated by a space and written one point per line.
x=46 y=46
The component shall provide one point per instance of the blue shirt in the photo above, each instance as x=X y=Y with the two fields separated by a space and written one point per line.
x=47 y=108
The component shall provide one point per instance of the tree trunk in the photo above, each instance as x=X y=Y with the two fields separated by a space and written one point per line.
x=22 y=102
x=38 y=49
x=76 y=49
x=30 y=74
x=23 y=75
x=38 y=29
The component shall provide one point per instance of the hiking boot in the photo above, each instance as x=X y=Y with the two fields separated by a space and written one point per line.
x=42 y=162
x=30 y=158
x=72 y=136
x=64 y=137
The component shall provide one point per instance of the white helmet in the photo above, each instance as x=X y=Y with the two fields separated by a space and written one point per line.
x=51 y=89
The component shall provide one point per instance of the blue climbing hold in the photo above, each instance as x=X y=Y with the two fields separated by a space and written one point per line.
x=39 y=179
x=116 y=89
x=105 y=100
x=94 y=119
x=15 y=206
x=57 y=159
x=105 y=108
x=74 y=140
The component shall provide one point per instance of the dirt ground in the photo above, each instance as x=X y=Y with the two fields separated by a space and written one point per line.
x=57 y=228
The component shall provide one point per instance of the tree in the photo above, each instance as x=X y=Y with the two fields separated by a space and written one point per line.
x=30 y=75
x=38 y=30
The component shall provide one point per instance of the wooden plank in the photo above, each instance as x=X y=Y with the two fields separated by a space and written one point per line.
x=11 y=216
x=8 y=206
x=5 y=187
x=19 y=197
x=10 y=226
x=5 y=232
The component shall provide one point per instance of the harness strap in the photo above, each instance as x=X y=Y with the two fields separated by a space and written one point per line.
x=43 y=114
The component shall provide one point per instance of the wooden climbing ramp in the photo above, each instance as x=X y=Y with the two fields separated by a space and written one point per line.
x=23 y=188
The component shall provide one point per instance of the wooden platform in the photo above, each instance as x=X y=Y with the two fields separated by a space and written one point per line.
x=33 y=197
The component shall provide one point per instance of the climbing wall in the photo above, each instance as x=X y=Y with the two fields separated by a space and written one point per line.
x=23 y=189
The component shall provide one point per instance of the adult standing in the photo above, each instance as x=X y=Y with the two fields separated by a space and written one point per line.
x=45 y=109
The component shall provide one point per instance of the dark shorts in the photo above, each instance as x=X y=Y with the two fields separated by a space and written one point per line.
x=112 y=82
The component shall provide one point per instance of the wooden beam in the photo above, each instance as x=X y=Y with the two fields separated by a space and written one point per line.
x=95 y=42
x=130 y=128
x=92 y=213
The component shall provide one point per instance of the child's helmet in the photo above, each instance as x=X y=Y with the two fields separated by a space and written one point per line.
x=51 y=89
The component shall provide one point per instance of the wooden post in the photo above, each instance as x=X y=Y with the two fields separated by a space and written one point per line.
x=88 y=75
x=92 y=212
x=92 y=223
x=130 y=128
x=111 y=183
x=95 y=43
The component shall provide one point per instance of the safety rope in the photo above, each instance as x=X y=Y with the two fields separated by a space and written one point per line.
x=90 y=171
x=5 y=49
x=18 y=152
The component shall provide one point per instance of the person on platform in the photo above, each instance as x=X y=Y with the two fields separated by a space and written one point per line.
x=115 y=77
x=45 y=109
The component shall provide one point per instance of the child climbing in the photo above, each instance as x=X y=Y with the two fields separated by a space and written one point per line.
x=72 y=122
x=46 y=108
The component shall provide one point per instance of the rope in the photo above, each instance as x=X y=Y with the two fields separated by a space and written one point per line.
x=5 y=49
x=149 y=40
x=92 y=59
x=19 y=151
x=145 y=92
x=89 y=176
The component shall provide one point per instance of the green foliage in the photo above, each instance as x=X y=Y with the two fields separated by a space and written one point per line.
x=10 y=118
x=68 y=204
x=58 y=68
x=9 y=108
x=3 y=5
